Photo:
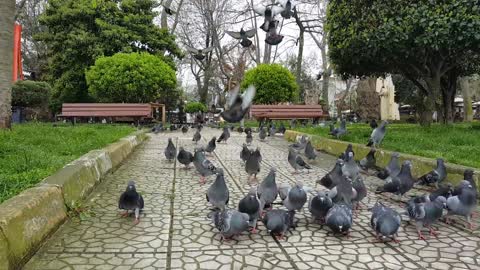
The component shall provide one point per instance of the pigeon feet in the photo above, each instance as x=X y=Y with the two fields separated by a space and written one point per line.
x=202 y=180
x=137 y=220
x=421 y=237
x=125 y=214
x=253 y=230
x=433 y=232
x=471 y=226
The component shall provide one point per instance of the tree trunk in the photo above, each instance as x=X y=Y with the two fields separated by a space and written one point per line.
x=163 y=19
x=7 y=13
x=467 y=99
x=434 y=91
x=449 y=90
x=298 y=69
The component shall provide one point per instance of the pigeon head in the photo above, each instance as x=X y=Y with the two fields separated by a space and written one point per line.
x=219 y=171
x=395 y=154
x=181 y=148
x=468 y=174
x=440 y=161
x=441 y=201
x=131 y=186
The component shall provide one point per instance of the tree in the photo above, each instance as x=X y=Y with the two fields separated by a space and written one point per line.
x=274 y=84
x=195 y=107
x=133 y=77
x=80 y=31
x=7 y=13
x=30 y=94
x=424 y=41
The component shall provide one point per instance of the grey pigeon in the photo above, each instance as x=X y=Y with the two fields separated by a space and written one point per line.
x=252 y=206
x=361 y=190
x=203 y=165
x=243 y=36
x=224 y=136
x=230 y=223
x=392 y=169
x=350 y=168
x=369 y=162
x=293 y=123
x=268 y=12
x=211 y=146
x=248 y=130
x=468 y=177
x=401 y=183
x=262 y=134
x=296 y=161
x=131 y=200
x=331 y=179
x=378 y=134
x=249 y=138
x=445 y=191
x=245 y=153
x=184 y=157
x=349 y=149
x=277 y=222
x=301 y=144
x=282 y=129
x=199 y=54
x=339 y=218
x=340 y=131
x=238 y=105
x=289 y=6
x=158 y=128
x=197 y=136
x=252 y=165
x=319 y=206
x=273 y=38
x=293 y=198
x=343 y=191
x=385 y=221
x=170 y=150
x=218 y=194
x=272 y=130
x=435 y=176
x=184 y=129
x=373 y=124
x=268 y=190
x=463 y=204
x=310 y=152
x=425 y=213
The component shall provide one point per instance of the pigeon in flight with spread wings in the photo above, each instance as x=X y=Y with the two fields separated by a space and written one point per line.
x=269 y=13
x=199 y=54
x=243 y=36
x=238 y=104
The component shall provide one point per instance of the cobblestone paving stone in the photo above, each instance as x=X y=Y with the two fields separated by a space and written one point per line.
x=174 y=232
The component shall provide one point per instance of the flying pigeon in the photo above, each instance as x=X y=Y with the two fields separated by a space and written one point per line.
x=197 y=136
x=243 y=36
x=331 y=179
x=310 y=152
x=385 y=221
x=238 y=105
x=435 y=176
x=296 y=161
x=401 y=183
x=339 y=218
x=211 y=146
x=245 y=153
x=218 y=194
x=249 y=138
x=184 y=129
x=268 y=190
x=225 y=135
x=392 y=169
x=252 y=165
x=131 y=200
x=288 y=6
x=269 y=13
x=185 y=157
x=203 y=165
x=425 y=213
x=273 y=38
x=252 y=206
x=319 y=206
x=262 y=134
x=199 y=54
x=277 y=222
x=378 y=134
x=170 y=150
x=369 y=162
x=230 y=223
x=463 y=204
x=340 y=131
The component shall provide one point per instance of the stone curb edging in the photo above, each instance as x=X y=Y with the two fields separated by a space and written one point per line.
x=421 y=165
x=31 y=216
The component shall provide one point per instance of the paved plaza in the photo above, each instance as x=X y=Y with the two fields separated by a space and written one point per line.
x=175 y=233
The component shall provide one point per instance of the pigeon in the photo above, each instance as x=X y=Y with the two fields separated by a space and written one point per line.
x=339 y=132
x=225 y=135
x=369 y=162
x=350 y=168
x=217 y=193
x=252 y=206
x=170 y=150
x=319 y=206
x=277 y=222
x=248 y=130
x=273 y=38
x=468 y=179
x=385 y=221
x=158 y=128
x=211 y=146
x=243 y=36
x=301 y=144
x=252 y=165
x=197 y=136
x=310 y=152
x=425 y=213
x=296 y=161
x=343 y=191
x=361 y=191
x=378 y=134
x=249 y=138
x=268 y=190
x=268 y=13
x=373 y=124
x=168 y=10
x=262 y=134
x=435 y=176
x=331 y=179
x=238 y=105
x=392 y=169
x=131 y=200
x=203 y=165
x=184 y=129
x=230 y=223
x=339 y=218
x=445 y=191
x=173 y=127
x=240 y=130
x=289 y=6
x=245 y=153
x=401 y=183
x=199 y=126
x=463 y=204
x=282 y=129
x=293 y=123
x=199 y=54
x=349 y=149
x=184 y=157
x=272 y=130
x=293 y=198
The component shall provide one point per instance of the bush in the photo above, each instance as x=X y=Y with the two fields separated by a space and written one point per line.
x=274 y=84
x=133 y=77
x=30 y=94
x=194 y=107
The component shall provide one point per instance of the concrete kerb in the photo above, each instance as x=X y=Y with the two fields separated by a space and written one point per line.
x=28 y=218
x=421 y=165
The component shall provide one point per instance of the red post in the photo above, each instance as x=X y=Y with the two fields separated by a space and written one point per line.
x=17 y=55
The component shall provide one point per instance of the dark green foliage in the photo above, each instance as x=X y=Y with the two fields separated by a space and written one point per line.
x=194 y=107
x=30 y=94
x=130 y=77
x=274 y=84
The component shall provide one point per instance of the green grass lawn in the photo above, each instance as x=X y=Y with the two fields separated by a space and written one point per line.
x=31 y=152
x=459 y=143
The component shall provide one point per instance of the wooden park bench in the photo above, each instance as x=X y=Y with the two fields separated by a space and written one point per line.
x=285 y=112
x=137 y=112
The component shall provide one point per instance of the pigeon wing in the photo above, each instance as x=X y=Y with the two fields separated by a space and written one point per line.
x=250 y=33
x=277 y=10
x=191 y=49
x=209 y=49
x=233 y=96
x=248 y=96
x=260 y=10
x=235 y=35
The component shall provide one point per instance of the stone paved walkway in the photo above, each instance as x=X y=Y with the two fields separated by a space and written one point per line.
x=174 y=232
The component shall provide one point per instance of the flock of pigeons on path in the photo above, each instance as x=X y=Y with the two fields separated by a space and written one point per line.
x=336 y=206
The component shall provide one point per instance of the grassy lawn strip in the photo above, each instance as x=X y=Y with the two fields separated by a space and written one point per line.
x=458 y=143
x=31 y=152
